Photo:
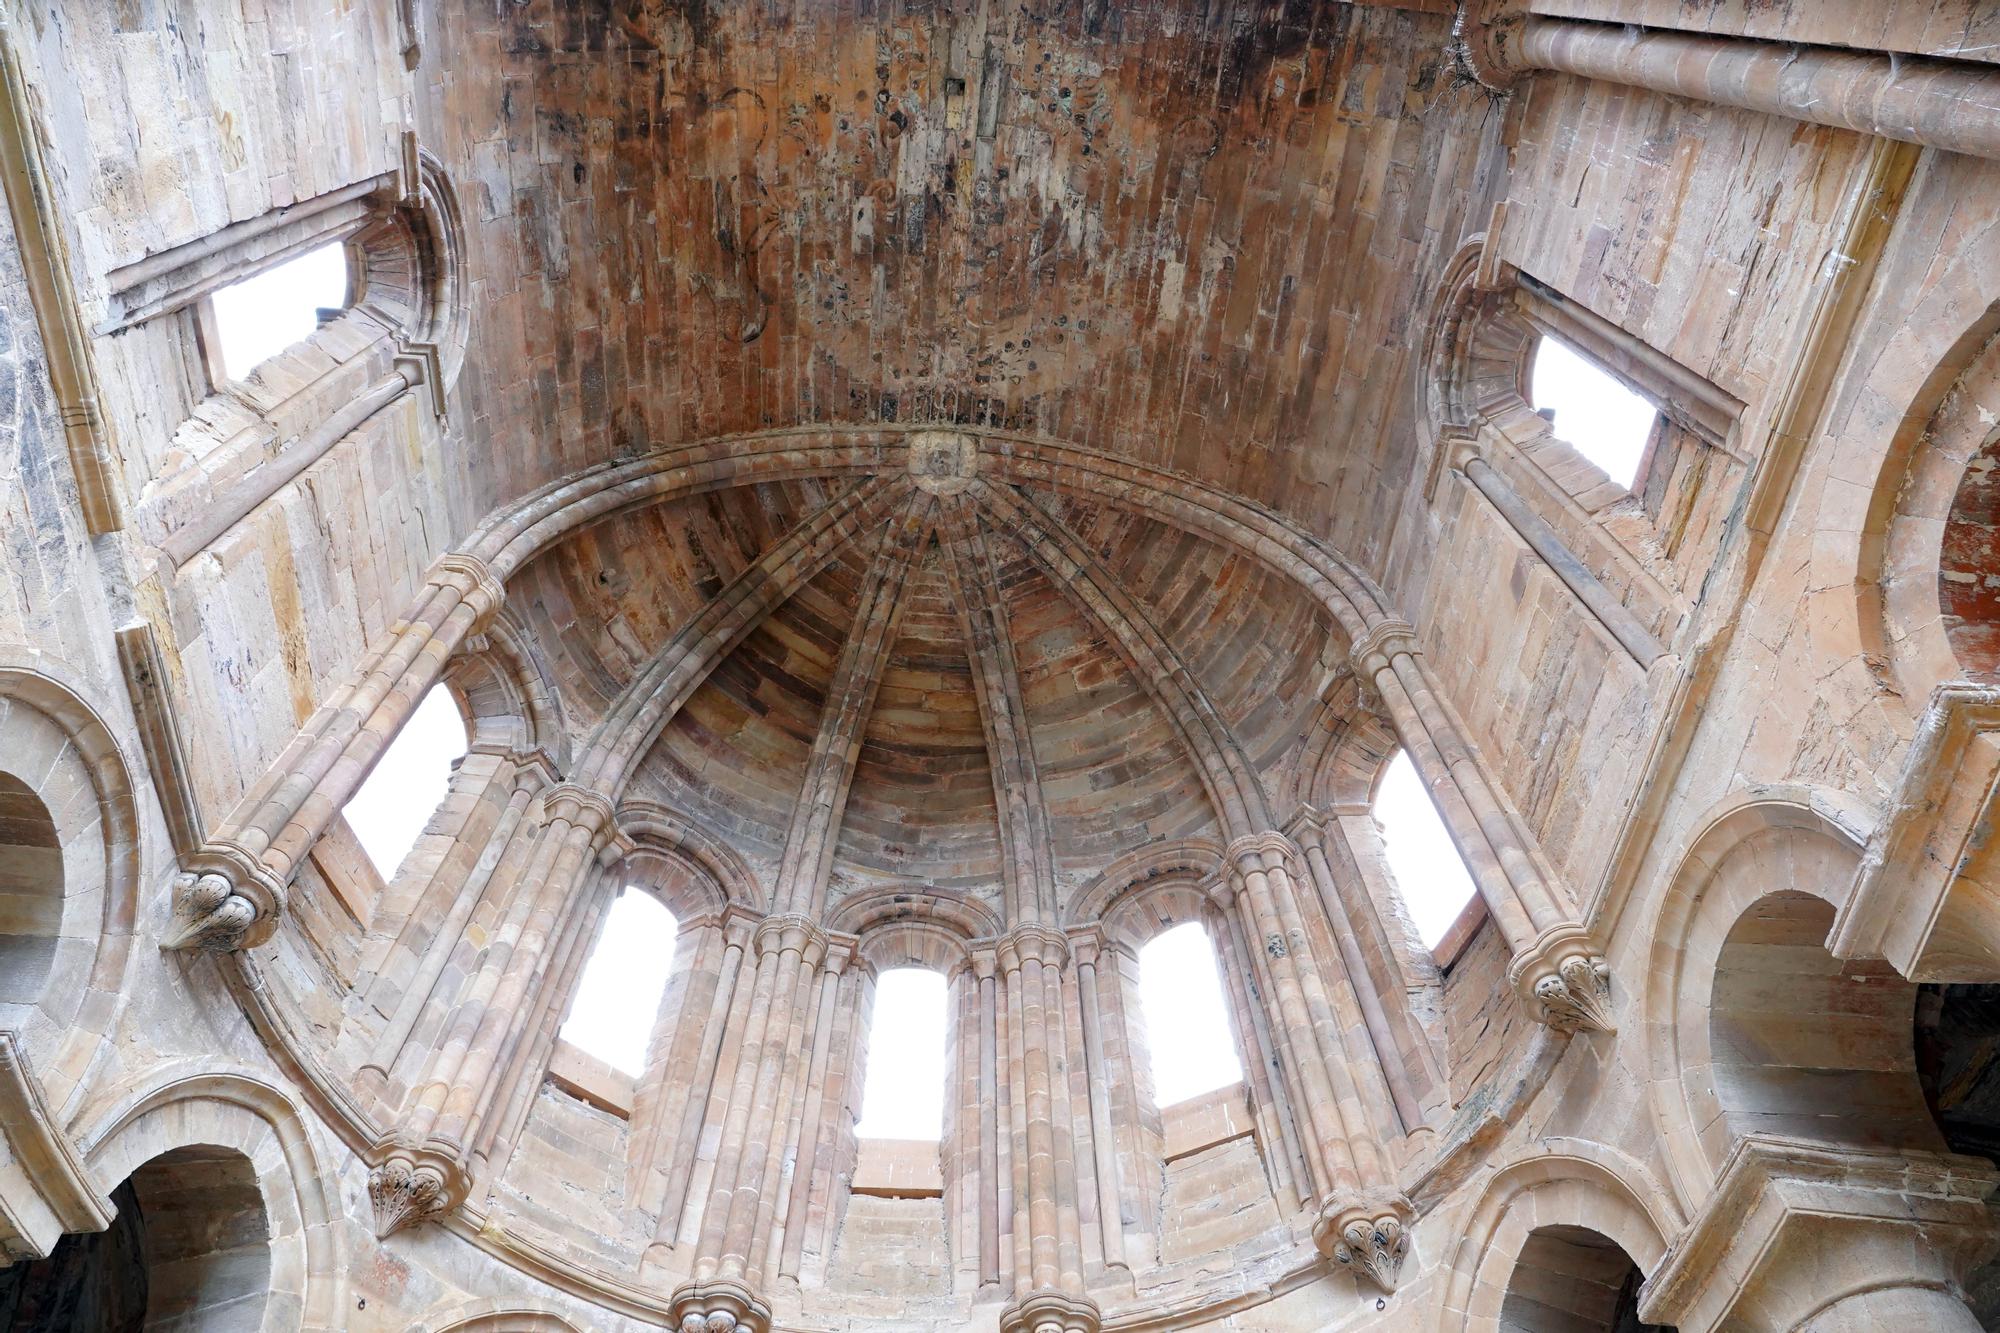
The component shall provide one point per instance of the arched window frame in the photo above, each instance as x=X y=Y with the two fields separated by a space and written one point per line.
x=697 y=903
x=403 y=330
x=1633 y=558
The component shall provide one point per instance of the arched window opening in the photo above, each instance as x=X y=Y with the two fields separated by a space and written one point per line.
x=1592 y=411
x=31 y=891
x=903 y=1085
x=259 y=317
x=1571 y=1279
x=1188 y=1026
x=1425 y=862
x=409 y=782
x=617 y=999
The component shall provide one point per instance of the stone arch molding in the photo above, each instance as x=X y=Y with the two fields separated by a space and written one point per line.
x=62 y=746
x=180 y=1105
x=1556 y=1182
x=496 y=1316
x=1749 y=847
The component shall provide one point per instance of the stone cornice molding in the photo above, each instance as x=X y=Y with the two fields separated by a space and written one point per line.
x=42 y=1151
x=1905 y=905
x=1772 y=1184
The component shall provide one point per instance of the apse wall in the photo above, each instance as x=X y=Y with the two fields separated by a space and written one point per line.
x=1755 y=785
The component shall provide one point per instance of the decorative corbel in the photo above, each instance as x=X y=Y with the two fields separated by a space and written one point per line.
x=1370 y=1237
x=1564 y=980
x=225 y=899
x=414 y=1185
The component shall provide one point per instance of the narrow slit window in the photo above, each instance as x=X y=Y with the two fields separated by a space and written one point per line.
x=1187 y=1025
x=261 y=316
x=1591 y=411
x=617 y=999
x=409 y=782
x=903 y=1089
x=1433 y=879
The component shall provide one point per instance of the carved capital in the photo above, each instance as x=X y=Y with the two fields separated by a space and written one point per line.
x=719 y=1306
x=1484 y=44
x=1367 y=1236
x=1086 y=945
x=581 y=807
x=226 y=899
x=1033 y=943
x=476 y=585
x=1372 y=653
x=1263 y=853
x=791 y=932
x=412 y=1186
x=1564 y=980
x=1049 y=1311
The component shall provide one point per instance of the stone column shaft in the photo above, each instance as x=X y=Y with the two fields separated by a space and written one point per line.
x=497 y=1128
x=989 y=1131
x=1254 y=1040
x=1049 y=1265
x=679 y=1136
x=449 y=932
x=1110 y=1213
x=1388 y=1055
x=792 y=1226
x=736 y=1120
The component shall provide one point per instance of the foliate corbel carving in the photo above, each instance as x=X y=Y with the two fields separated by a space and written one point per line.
x=1564 y=981
x=719 y=1306
x=1051 y=1312
x=412 y=1186
x=1369 y=1237
x=1372 y=653
x=225 y=899
x=476 y=584
x=1484 y=44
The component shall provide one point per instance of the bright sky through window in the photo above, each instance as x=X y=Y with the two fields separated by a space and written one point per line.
x=1186 y=1024
x=261 y=316
x=903 y=1093
x=618 y=997
x=388 y=814
x=1601 y=418
x=1421 y=855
